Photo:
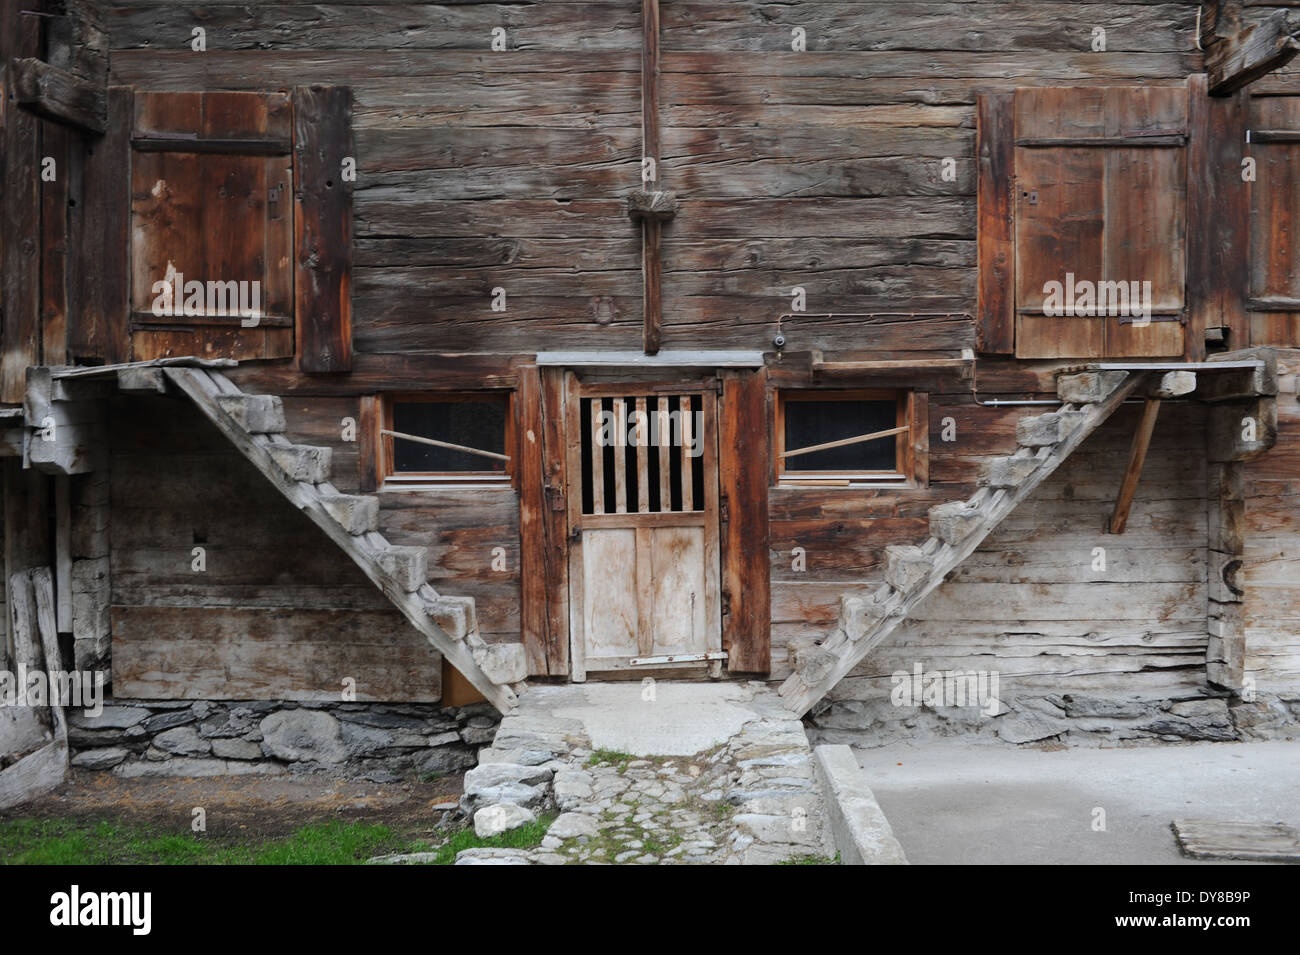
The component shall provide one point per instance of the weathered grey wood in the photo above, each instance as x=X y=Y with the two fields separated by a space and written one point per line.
x=297 y=653
x=141 y=381
x=1241 y=430
x=58 y=95
x=1228 y=839
x=1241 y=54
x=63 y=553
x=202 y=391
x=800 y=695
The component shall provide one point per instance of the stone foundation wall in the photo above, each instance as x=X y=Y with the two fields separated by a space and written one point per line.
x=1071 y=718
x=380 y=742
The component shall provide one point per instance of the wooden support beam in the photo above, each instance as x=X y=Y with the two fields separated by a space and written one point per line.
x=1236 y=54
x=59 y=96
x=1241 y=430
x=651 y=227
x=1136 y=459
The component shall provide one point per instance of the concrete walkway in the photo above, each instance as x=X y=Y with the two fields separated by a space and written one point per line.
x=982 y=804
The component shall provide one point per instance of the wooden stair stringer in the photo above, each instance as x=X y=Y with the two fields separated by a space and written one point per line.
x=889 y=607
x=203 y=389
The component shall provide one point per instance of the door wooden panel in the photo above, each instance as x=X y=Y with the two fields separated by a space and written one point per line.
x=642 y=479
x=1100 y=197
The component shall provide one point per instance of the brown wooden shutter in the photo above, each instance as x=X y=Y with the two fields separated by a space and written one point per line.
x=323 y=225
x=1274 y=258
x=210 y=199
x=1100 y=192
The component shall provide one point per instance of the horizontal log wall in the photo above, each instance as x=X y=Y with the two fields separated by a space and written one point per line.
x=1028 y=603
x=1271 y=562
x=821 y=170
x=265 y=619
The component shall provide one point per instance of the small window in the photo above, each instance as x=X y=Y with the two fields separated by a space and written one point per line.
x=820 y=438
x=447 y=439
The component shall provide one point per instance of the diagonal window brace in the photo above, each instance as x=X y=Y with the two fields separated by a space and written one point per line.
x=446 y=444
x=846 y=441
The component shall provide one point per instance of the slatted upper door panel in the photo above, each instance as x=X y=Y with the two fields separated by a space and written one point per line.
x=1100 y=198
x=211 y=201
x=641 y=454
x=1274 y=300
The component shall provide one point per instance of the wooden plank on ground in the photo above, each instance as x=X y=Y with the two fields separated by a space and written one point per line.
x=1247 y=841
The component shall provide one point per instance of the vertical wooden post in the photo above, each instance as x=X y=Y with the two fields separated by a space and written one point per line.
x=20 y=213
x=322 y=223
x=1218 y=219
x=744 y=459
x=995 y=134
x=651 y=229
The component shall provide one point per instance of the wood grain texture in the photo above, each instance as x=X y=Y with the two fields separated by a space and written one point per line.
x=744 y=474
x=322 y=117
x=102 y=294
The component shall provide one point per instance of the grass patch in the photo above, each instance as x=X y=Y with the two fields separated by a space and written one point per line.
x=610 y=757
x=813 y=860
x=76 y=842
x=525 y=837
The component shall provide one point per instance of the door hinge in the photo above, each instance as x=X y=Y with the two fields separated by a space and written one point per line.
x=724 y=510
x=726 y=603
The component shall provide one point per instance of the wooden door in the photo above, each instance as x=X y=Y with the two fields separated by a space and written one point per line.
x=643 y=527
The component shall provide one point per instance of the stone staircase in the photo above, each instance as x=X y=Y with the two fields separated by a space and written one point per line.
x=957 y=528
x=255 y=424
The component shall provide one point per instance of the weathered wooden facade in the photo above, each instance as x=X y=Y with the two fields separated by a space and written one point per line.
x=561 y=303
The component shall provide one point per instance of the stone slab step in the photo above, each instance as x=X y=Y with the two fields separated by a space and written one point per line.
x=906 y=566
x=302 y=462
x=356 y=513
x=256 y=414
x=1088 y=387
x=456 y=615
x=407 y=567
x=502 y=663
x=954 y=521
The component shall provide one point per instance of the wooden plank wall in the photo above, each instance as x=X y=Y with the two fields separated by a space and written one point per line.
x=1028 y=603
x=820 y=170
x=1271 y=605
x=264 y=619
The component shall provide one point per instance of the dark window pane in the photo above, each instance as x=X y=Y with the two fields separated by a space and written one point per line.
x=809 y=423
x=474 y=424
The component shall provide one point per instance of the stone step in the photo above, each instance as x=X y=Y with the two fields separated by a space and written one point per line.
x=407 y=567
x=302 y=462
x=1047 y=429
x=256 y=414
x=906 y=566
x=502 y=663
x=456 y=615
x=356 y=513
x=813 y=663
x=1088 y=387
x=955 y=521
x=1008 y=470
